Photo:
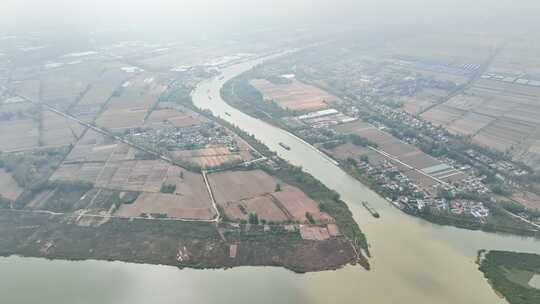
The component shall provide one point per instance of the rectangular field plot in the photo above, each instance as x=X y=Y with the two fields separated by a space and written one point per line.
x=129 y=107
x=101 y=90
x=353 y=127
x=295 y=95
x=240 y=193
x=211 y=157
x=297 y=204
x=58 y=130
x=141 y=175
x=263 y=206
x=469 y=124
x=94 y=147
x=171 y=205
x=496 y=114
x=314 y=233
x=8 y=186
x=528 y=199
x=420 y=179
x=443 y=115
x=503 y=134
x=232 y=186
x=178 y=117
x=26 y=137
x=419 y=159
x=65 y=86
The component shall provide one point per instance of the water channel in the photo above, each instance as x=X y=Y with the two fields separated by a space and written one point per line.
x=413 y=261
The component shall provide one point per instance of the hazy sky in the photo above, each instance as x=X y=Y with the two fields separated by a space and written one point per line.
x=208 y=14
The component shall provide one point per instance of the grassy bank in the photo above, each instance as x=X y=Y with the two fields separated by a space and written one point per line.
x=509 y=274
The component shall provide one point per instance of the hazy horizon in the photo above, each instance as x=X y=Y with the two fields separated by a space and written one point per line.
x=189 y=16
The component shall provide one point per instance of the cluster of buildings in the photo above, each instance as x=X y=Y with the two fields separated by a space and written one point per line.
x=438 y=65
x=185 y=138
x=404 y=194
x=517 y=78
x=440 y=135
x=316 y=126
x=410 y=121
x=457 y=206
x=471 y=184
x=502 y=165
x=325 y=118
x=476 y=209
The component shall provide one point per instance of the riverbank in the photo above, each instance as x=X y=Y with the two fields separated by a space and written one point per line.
x=420 y=245
x=238 y=93
x=499 y=221
x=510 y=273
x=247 y=218
x=329 y=201
x=175 y=243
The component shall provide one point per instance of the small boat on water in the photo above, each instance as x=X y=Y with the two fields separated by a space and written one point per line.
x=284 y=146
x=371 y=210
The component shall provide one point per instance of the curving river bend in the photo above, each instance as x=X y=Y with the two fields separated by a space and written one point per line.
x=413 y=261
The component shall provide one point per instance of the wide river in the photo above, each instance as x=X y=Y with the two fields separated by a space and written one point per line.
x=413 y=261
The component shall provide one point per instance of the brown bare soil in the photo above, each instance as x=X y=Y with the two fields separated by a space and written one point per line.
x=132 y=175
x=333 y=230
x=58 y=130
x=353 y=127
x=94 y=147
x=350 y=150
x=232 y=186
x=211 y=157
x=422 y=100
x=421 y=180
x=26 y=137
x=504 y=134
x=314 y=233
x=178 y=118
x=419 y=159
x=297 y=204
x=498 y=115
x=8 y=186
x=455 y=177
x=173 y=205
x=130 y=108
x=263 y=206
x=102 y=89
x=63 y=86
x=469 y=124
x=294 y=96
x=442 y=115
x=528 y=199
x=416 y=105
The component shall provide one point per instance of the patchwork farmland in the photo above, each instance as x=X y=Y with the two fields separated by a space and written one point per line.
x=498 y=115
x=295 y=95
x=241 y=193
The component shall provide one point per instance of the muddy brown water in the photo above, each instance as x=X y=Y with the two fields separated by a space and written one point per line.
x=413 y=261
